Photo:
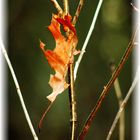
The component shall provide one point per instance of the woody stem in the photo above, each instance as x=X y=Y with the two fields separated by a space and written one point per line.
x=72 y=100
x=108 y=86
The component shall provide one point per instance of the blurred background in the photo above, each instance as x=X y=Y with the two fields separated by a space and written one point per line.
x=27 y=23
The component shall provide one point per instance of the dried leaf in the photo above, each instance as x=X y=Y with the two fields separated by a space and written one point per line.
x=63 y=54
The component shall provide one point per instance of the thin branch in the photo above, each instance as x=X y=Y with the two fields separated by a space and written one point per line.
x=57 y=6
x=72 y=101
x=77 y=13
x=123 y=104
x=87 y=38
x=66 y=6
x=107 y=87
x=18 y=90
x=120 y=99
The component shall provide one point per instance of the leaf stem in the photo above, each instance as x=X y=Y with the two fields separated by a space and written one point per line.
x=120 y=99
x=18 y=91
x=43 y=116
x=72 y=101
x=123 y=104
x=107 y=87
x=87 y=38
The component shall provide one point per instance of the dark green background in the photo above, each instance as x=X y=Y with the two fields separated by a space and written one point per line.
x=27 y=23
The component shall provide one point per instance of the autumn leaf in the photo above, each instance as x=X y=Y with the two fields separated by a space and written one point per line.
x=63 y=53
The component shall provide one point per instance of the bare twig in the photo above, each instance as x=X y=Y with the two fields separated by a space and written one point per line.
x=77 y=13
x=120 y=99
x=18 y=90
x=66 y=6
x=72 y=100
x=123 y=104
x=87 y=38
x=57 y=6
x=107 y=87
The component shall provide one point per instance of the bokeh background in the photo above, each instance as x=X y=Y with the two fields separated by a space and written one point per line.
x=27 y=23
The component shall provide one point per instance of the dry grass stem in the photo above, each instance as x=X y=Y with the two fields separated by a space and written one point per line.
x=18 y=91
x=120 y=99
x=123 y=104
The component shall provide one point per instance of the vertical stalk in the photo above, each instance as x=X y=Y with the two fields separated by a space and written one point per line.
x=72 y=100
x=120 y=99
x=66 y=6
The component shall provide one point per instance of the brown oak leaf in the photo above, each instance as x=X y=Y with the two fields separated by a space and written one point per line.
x=63 y=53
